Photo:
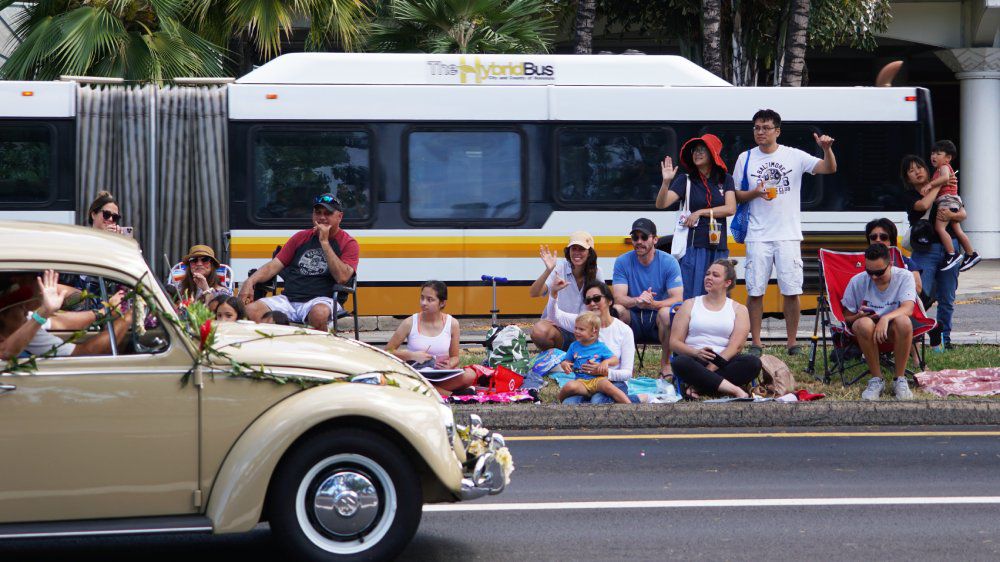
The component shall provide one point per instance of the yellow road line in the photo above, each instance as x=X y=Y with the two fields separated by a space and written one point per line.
x=753 y=435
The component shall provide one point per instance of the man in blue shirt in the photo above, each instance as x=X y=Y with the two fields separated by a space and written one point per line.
x=646 y=283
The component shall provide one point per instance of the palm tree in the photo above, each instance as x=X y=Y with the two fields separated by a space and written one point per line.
x=132 y=39
x=586 y=13
x=267 y=23
x=462 y=26
x=794 y=55
x=711 y=24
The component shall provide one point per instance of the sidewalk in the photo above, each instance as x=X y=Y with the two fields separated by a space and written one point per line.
x=977 y=310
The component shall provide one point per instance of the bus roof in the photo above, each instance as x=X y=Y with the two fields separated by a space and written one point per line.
x=37 y=99
x=487 y=70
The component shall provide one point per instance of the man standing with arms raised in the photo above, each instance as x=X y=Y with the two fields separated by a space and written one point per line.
x=774 y=232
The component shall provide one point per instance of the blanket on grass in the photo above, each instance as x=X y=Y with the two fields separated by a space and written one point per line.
x=961 y=382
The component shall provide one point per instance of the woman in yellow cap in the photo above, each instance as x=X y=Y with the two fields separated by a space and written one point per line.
x=579 y=268
x=201 y=278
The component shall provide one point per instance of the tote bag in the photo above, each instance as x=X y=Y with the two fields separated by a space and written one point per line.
x=679 y=244
x=741 y=220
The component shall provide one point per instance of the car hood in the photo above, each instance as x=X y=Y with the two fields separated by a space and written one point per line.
x=289 y=347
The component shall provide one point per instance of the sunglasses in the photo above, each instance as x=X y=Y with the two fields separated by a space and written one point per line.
x=640 y=236
x=876 y=272
x=111 y=217
x=879 y=236
x=328 y=199
x=700 y=150
x=592 y=300
x=763 y=129
x=200 y=259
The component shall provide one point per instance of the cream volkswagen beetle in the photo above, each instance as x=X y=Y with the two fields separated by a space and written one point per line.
x=156 y=436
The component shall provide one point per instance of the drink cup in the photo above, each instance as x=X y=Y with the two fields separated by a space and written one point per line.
x=771 y=189
x=714 y=233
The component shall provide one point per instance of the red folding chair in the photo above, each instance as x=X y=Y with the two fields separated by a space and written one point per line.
x=836 y=270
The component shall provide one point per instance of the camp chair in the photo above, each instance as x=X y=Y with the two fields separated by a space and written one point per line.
x=641 y=352
x=836 y=270
x=223 y=272
x=340 y=295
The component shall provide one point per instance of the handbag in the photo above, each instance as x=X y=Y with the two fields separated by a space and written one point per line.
x=679 y=244
x=741 y=220
x=919 y=235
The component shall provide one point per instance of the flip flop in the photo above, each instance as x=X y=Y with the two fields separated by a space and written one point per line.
x=755 y=350
x=795 y=350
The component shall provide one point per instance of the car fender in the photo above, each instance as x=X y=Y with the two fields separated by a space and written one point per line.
x=237 y=496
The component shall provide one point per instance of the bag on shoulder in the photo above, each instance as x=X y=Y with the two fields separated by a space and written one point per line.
x=741 y=220
x=679 y=243
x=776 y=377
x=507 y=346
x=919 y=235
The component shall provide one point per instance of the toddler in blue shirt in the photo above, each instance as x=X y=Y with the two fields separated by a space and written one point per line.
x=587 y=350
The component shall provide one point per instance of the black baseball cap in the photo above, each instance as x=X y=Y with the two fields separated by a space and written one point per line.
x=329 y=202
x=645 y=226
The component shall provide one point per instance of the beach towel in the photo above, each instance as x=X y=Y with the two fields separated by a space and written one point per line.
x=961 y=382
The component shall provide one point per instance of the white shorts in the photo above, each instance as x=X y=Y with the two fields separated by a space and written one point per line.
x=298 y=311
x=785 y=256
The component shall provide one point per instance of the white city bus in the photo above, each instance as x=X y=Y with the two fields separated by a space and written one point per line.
x=452 y=167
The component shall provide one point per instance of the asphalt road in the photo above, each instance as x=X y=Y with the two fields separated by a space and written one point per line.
x=855 y=495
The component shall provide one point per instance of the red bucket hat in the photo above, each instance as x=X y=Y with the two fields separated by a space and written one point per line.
x=714 y=147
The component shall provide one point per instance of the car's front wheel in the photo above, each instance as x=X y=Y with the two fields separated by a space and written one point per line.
x=345 y=495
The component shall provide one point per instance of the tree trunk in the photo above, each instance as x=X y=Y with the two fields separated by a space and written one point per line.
x=795 y=44
x=586 y=13
x=711 y=49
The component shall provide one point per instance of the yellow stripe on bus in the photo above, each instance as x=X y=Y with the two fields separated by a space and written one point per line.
x=253 y=247
x=511 y=300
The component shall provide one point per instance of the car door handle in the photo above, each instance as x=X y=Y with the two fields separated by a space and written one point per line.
x=4 y=388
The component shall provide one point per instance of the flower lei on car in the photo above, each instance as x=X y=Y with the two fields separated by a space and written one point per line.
x=479 y=441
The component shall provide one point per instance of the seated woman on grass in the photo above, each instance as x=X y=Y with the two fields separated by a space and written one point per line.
x=431 y=338
x=586 y=349
x=614 y=333
x=707 y=335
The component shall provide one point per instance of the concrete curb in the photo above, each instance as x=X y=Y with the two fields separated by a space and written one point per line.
x=506 y=417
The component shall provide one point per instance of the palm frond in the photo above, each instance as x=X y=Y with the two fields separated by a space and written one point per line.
x=266 y=22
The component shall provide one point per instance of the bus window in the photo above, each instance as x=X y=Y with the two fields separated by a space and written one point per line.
x=26 y=174
x=292 y=167
x=465 y=175
x=613 y=166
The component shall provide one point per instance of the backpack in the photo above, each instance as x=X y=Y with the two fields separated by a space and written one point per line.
x=776 y=377
x=507 y=346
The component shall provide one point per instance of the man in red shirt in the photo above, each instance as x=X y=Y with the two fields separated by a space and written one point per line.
x=311 y=263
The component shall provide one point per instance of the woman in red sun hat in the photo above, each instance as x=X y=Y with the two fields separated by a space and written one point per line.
x=713 y=198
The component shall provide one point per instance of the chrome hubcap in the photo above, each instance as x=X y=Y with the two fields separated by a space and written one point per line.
x=346 y=503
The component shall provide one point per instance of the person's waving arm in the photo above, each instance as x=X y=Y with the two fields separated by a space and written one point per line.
x=667 y=197
x=829 y=163
x=538 y=288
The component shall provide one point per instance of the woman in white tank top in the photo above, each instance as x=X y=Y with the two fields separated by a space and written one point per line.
x=431 y=336
x=707 y=335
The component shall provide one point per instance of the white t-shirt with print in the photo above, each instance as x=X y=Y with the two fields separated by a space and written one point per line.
x=571 y=298
x=781 y=218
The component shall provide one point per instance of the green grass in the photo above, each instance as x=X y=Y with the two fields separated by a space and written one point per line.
x=962 y=357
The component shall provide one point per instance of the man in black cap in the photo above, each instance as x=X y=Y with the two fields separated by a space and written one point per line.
x=311 y=263
x=646 y=283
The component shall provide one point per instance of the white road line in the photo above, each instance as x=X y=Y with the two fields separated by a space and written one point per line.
x=750 y=502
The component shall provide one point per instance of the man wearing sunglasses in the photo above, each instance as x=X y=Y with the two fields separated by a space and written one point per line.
x=772 y=174
x=311 y=263
x=878 y=306
x=646 y=283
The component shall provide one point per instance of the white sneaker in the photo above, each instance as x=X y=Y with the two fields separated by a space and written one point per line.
x=902 y=389
x=874 y=389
